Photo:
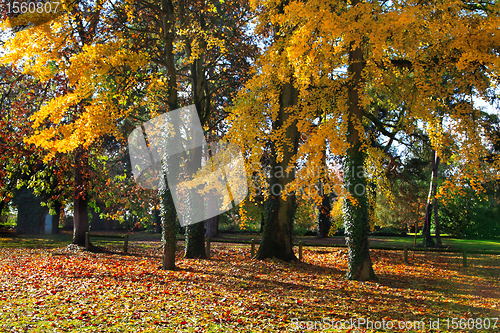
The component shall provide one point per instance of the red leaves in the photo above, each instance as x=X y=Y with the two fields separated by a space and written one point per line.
x=113 y=292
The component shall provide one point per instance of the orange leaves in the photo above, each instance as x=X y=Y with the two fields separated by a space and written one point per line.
x=74 y=291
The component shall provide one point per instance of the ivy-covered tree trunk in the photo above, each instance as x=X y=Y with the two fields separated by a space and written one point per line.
x=356 y=216
x=80 y=214
x=277 y=236
x=167 y=207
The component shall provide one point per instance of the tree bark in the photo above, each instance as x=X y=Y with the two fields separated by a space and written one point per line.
x=195 y=241
x=167 y=207
x=325 y=207
x=426 y=231
x=157 y=220
x=30 y=212
x=56 y=217
x=168 y=222
x=324 y=210
x=356 y=216
x=195 y=234
x=80 y=215
x=212 y=227
x=277 y=236
x=437 y=228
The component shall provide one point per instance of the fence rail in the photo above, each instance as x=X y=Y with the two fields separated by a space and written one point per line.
x=301 y=245
x=124 y=237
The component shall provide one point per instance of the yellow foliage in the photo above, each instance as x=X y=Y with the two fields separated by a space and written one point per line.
x=89 y=107
x=418 y=54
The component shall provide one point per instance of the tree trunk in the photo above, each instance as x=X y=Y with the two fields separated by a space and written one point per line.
x=325 y=207
x=434 y=193
x=169 y=225
x=356 y=216
x=157 y=221
x=212 y=227
x=167 y=207
x=80 y=214
x=426 y=231
x=56 y=217
x=277 y=236
x=30 y=212
x=195 y=241
x=262 y=222
x=195 y=234
x=324 y=210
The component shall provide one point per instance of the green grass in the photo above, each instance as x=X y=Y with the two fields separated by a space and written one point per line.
x=470 y=245
x=34 y=241
x=48 y=241
x=449 y=243
x=10 y=240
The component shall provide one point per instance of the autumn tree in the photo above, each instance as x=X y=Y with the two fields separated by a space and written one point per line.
x=22 y=164
x=82 y=49
x=339 y=52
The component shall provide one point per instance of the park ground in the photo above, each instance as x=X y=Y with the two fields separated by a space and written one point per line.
x=47 y=286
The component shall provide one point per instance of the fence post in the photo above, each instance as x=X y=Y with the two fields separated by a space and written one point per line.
x=406 y=254
x=125 y=244
x=465 y=258
x=87 y=242
x=300 y=251
x=208 y=248
x=252 y=248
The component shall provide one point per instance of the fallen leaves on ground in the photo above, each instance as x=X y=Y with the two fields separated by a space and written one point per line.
x=70 y=290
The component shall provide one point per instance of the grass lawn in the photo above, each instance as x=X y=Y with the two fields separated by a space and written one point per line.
x=64 y=238
x=61 y=289
x=449 y=243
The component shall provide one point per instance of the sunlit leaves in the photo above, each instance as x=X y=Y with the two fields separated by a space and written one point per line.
x=67 y=290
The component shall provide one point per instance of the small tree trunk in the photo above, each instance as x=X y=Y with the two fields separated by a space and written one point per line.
x=434 y=193
x=324 y=217
x=157 y=220
x=212 y=227
x=169 y=226
x=325 y=207
x=80 y=215
x=262 y=222
x=195 y=241
x=426 y=231
x=195 y=233
x=56 y=217
x=30 y=212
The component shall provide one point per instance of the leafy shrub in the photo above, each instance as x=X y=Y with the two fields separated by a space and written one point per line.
x=388 y=231
x=305 y=218
x=469 y=216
